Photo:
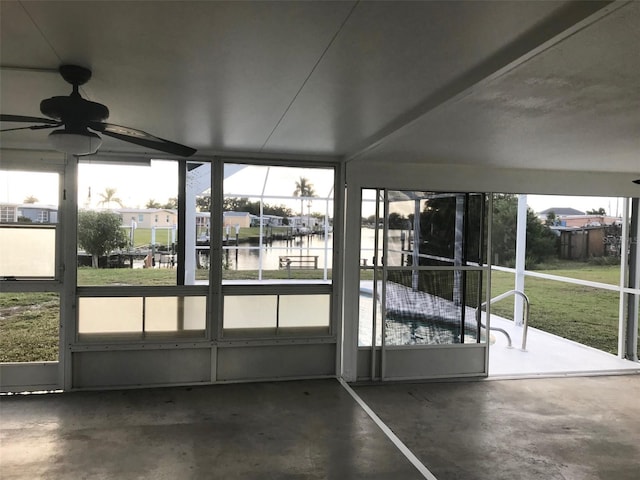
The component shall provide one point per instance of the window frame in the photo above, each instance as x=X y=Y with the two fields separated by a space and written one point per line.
x=275 y=287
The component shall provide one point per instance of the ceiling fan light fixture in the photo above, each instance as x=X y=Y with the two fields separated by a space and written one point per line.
x=75 y=143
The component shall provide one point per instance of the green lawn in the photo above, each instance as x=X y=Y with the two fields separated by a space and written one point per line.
x=585 y=271
x=583 y=314
x=29 y=327
x=29 y=321
x=88 y=276
x=166 y=276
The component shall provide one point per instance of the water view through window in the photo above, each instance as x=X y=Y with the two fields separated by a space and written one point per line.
x=277 y=223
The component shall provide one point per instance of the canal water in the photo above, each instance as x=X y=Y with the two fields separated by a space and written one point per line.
x=248 y=255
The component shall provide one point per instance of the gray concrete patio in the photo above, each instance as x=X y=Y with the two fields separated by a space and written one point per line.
x=582 y=428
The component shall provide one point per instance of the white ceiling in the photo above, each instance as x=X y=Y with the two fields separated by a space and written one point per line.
x=543 y=85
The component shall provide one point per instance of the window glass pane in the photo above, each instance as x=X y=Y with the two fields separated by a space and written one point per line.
x=28 y=214
x=277 y=223
x=570 y=236
x=198 y=223
x=127 y=223
x=402 y=210
x=366 y=312
x=250 y=311
x=476 y=228
x=29 y=327
x=441 y=219
x=428 y=314
x=442 y=229
x=109 y=315
x=28 y=197
x=32 y=251
x=370 y=251
x=175 y=314
x=368 y=229
x=475 y=294
x=304 y=311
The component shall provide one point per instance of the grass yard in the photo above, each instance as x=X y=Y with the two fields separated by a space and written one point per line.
x=280 y=274
x=88 y=276
x=583 y=314
x=29 y=327
x=609 y=274
x=29 y=321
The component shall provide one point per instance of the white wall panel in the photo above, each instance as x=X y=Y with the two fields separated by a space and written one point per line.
x=432 y=362
x=20 y=377
x=125 y=368
x=276 y=361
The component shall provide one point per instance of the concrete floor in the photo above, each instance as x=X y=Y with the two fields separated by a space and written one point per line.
x=286 y=430
x=562 y=428
x=578 y=428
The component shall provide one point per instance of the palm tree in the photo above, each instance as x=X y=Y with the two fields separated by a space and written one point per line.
x=30 y=199
x=304 y=188
x=109 y=196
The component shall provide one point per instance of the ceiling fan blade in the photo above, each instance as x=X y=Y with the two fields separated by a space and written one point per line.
x=21 y=119
x=141 y=138
x=31 y=127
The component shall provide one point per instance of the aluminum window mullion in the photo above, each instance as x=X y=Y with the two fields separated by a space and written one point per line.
x=489 y=220
x=182 y=222
x=624 y=248
x=68 y=310
x=631 y=334
x=215 y=320
x=376 y=271
x=383 y=295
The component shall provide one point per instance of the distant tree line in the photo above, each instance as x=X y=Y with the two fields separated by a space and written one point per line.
x=542 y=242
x=437 y=230
x=171 y=204
x=236 y=204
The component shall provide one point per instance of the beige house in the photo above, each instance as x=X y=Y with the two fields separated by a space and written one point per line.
x=241 y=219
x=148 y=217
x=589 y=220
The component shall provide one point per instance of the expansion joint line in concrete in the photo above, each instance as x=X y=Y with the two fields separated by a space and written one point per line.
x=389 y=433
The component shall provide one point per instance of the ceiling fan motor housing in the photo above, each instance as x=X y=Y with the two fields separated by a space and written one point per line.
x=74 y=111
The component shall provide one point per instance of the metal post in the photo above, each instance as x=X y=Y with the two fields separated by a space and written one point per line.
x=383 y=301
x=237 y=241
x=376 y=273
x=458 y=257
x=189 y=243
x=631 y=351
x=521 y=249
x=458 y=251
x=153 y=244
x=415 y=262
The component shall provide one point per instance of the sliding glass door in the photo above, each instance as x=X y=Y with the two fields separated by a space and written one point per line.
x=30 y=277
x=422 y=279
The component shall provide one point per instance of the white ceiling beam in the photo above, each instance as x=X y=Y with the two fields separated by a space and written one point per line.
x=572 y=19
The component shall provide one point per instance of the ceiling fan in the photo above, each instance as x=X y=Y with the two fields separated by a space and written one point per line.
x=81 y=120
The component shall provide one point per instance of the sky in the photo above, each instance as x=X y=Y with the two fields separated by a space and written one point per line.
x=136 y=185
x=538 y=203
x=612 y=205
